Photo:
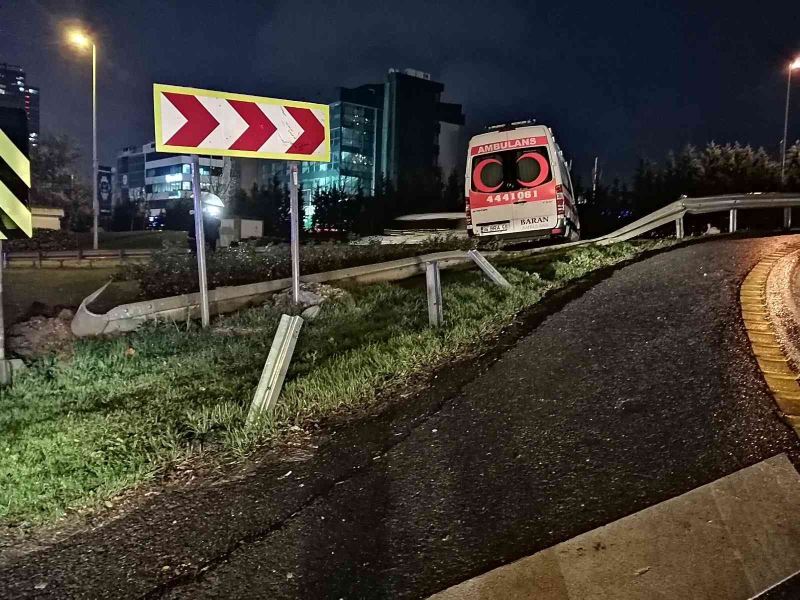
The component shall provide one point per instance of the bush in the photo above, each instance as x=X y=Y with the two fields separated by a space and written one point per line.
x=45 y=240
x=170 y=272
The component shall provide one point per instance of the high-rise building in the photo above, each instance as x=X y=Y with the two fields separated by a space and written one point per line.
x=420 y=131
x=16 y=93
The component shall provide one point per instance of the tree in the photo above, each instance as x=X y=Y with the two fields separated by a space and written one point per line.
x=453 y=193
x=128 y=216
x=177 y=215
x=793 y=168
x=55 y=181
x=222 y=185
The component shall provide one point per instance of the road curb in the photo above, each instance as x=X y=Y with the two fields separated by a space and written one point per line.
x=772 y=357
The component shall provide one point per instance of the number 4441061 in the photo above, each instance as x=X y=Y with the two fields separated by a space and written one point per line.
x=511 y=196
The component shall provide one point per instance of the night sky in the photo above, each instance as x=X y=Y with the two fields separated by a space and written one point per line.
x=620 y=80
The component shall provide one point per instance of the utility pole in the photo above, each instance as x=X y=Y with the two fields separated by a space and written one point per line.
x=794 y=66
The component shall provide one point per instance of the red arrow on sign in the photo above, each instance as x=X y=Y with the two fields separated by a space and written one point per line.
x=259 y=127
x=199 y=122
x=190 y=120
x=313 y=131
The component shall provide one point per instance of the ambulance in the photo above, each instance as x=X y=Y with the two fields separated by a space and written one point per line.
x=518 y=185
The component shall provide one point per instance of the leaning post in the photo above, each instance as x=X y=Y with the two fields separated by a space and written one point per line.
x=434 y=289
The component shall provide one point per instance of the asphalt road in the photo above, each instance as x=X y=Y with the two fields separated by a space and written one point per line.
x=640 y=389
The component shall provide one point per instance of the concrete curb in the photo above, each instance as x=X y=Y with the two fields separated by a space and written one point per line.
x=760 y=314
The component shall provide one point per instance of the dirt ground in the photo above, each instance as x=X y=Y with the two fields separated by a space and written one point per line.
x=29 y=292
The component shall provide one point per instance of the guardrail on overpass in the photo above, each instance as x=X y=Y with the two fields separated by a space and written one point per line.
x=128 y=317
x=676 y=211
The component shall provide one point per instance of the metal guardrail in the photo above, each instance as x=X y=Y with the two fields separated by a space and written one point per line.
x=37 y=258
x=675 y=212
x=275 y=368
x=128 y=317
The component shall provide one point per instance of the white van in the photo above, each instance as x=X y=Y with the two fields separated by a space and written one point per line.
x=518 y=185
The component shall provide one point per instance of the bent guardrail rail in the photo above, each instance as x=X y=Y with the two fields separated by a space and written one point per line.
x=128 y=317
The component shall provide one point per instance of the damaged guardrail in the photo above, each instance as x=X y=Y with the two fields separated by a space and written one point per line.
x=128 y=317
x=275 y=368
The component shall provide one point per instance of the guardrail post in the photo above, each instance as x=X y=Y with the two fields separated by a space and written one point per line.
x=488 y=269
x=787 y=217
x=732 y=221
x=433 y=284
x=280 y=355
x=39 y=259
x=679 y=228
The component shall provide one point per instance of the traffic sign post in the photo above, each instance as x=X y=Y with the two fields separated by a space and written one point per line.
x=207 y=122
x=15 y=217
x=200 y=242
x=294 y=218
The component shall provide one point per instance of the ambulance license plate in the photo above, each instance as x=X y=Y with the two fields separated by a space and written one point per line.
x=494 y=228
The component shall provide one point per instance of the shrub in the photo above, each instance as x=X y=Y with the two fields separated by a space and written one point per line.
x=44 y=240
x=171 y=272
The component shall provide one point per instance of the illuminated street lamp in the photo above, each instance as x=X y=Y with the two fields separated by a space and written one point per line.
x=792 y=67
x=82 y=41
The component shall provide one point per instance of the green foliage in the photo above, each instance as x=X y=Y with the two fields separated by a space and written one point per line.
x=123 y=410
x=44 y=240
x=177 y=215
x=340 y=210
x=269 y=204
x=128 y=216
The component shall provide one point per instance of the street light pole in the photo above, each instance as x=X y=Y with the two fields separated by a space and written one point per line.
x=82 y=41
x=792 y=67
x=95 y=201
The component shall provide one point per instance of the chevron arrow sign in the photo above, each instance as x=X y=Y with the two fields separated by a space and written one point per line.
x=195 y=121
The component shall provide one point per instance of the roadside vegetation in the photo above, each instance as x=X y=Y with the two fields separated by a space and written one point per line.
x=169 y=273
x=76 y=430
x=48 y=240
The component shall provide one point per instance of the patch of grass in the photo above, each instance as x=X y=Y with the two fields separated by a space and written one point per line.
x=123 y=410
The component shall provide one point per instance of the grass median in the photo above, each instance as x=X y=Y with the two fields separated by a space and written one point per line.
x=123 y=410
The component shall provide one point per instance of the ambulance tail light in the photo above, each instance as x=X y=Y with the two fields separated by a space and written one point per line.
x=468 y=212
x=560 y=200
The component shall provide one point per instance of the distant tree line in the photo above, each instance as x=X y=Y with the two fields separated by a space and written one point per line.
x=692 y=172
x=339 y=210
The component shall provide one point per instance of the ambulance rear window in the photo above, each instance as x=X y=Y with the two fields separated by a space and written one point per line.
x=511 y=170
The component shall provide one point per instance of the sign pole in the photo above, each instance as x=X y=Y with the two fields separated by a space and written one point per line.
x=212 y=123
x=6 y=366
x=294 y=207
x=2 y=323
x=200 y=240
